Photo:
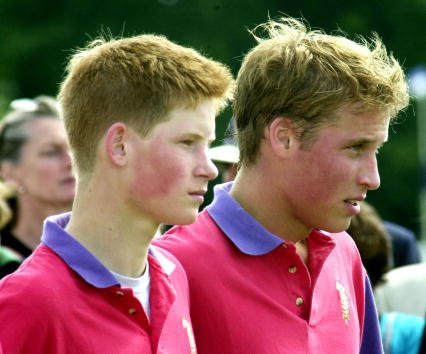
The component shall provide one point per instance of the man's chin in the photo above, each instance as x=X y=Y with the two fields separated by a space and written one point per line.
x=185 y=219
x=336 y=228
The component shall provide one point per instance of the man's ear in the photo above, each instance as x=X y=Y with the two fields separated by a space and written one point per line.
x=280 y=133
x=116 y=143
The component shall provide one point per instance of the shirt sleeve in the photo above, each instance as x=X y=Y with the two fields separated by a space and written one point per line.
x=371 y=338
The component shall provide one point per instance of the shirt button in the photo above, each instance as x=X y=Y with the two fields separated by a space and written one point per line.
x=292 y=269
x=284 y=245
x=132 y=311
x=299 y=301
x=118 y=292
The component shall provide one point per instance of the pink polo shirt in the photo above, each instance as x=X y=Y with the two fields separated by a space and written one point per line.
x=63 y=300
x=251 y=293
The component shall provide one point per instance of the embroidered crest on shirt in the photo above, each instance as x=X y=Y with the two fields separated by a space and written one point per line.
x=344 y=301
x=187 y=325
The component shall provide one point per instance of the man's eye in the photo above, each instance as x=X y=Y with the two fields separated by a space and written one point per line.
x=187 y=142
x=51 y=153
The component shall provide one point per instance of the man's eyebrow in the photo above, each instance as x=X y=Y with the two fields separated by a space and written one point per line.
x=199 y=136
x=364 y=140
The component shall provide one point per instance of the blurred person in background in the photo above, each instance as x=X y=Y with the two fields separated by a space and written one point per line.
x=401 y=331
x=405 y=248
x=373 y=242
x=403 y=290
x=9 y=259
x=35 y=168
x=226 y=155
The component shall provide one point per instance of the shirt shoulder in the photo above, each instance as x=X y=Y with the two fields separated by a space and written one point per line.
x=187 y=238
x=32 y=301
x=162 y=259
x=344 y=242
x=39 y=280
x=344 y=257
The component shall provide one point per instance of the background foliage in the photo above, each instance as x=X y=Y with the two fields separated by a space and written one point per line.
x=37 y=37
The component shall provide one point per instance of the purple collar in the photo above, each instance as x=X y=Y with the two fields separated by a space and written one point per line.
x=74 y=254
x=239 y=226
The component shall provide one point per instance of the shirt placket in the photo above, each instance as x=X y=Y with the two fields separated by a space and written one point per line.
x=295 y=273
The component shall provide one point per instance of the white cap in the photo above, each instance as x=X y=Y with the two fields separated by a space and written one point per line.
x=226 y=153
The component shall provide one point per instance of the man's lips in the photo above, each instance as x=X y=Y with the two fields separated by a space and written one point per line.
x=356 y=200
x=200 y=192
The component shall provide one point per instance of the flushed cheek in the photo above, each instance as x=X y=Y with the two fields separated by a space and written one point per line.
x=325 y=184
x=329 y=185
x=158 y=175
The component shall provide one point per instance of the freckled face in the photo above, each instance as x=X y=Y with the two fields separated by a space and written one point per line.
x=324 y=184
x=171 y=165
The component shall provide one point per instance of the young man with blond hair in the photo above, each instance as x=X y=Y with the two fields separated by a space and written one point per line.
x=269 y=265
x=139 y=114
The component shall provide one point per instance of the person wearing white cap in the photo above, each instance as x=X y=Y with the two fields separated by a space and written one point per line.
x=225 y=156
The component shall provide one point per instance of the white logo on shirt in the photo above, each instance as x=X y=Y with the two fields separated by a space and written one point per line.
x=344 y=301
x=190 y=333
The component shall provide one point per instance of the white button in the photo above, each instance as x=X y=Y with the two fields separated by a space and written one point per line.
x=118 y=292
x=292 y=269
x=132 y=311
x=299 y=301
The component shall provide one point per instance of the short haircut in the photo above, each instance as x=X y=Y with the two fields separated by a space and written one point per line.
x=306 y=75
x=135 y=80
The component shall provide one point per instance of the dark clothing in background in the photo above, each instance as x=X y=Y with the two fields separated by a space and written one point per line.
x=404 y=245
x=9 y=240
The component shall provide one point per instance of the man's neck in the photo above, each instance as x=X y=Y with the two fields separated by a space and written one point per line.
x=267 y=205
x=119 y=240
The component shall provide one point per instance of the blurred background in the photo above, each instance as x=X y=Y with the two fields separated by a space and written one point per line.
x=36 y=37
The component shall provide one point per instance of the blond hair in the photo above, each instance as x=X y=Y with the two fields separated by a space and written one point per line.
x=136 y=80
x=6 y=213
x=307 y=75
